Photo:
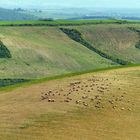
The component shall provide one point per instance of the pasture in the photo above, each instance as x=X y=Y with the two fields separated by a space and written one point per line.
x=99 y=105
x=39 y=52
x=118 y=41
x=79 y=89
x=44 y=51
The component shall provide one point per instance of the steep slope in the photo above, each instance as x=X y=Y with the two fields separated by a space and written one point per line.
x=45 y=51
x=115 y=40
x=77 y=36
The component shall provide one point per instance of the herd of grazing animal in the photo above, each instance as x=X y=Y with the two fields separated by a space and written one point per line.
x=93 y=92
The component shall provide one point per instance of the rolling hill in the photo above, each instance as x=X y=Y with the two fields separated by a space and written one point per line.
x=116 y=40
x=44 y=51
x=76 y=80
x=12 y=15
x=39 y=52
x=102 y=105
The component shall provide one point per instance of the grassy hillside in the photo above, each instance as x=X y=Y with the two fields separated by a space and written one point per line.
x=44 y=51
x=47 y=51
x=102 y=105
x=77 y=36
x=11 y=15
x=116 y=40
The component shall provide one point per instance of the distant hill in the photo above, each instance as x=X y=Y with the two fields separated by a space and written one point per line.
x=12 y=15
x=91 y=17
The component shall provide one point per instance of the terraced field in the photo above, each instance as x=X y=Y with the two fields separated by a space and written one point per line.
x=44 y=51
x=100 y=105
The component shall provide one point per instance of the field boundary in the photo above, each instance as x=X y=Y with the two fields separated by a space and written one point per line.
x=55 y=23
x=37 y=81
x=75 y=35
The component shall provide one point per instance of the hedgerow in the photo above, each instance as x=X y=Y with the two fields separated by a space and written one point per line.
x=77 y=36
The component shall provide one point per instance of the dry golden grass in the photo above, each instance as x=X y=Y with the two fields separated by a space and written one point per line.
x=109 y=112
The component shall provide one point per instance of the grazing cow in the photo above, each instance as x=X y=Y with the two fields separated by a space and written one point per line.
x=92 y=99
x=50 y=91
x=85 y=97
x=67 y=101
x=122 y=108
x=111 y=102
x=129 y=109
x=85 y=104
x=97 y=106
x=114 y=107
x=51 y=100
x=78 y=102
x=43 y=98
x=128 y=101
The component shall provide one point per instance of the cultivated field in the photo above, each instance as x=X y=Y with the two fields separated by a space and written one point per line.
x=95 y=106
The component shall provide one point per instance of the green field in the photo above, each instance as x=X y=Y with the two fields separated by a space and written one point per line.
x=55 y=22
x=45 y=51
x=65 y=22
x=39 y=52
x=102 y=105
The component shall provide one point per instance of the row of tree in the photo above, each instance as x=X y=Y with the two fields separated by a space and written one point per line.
x=77 y=36
x=8 y=82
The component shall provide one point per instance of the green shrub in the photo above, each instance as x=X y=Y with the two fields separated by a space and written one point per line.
x=4 y=52
x=137 y=31
x=138 y=45
x=8 y=82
